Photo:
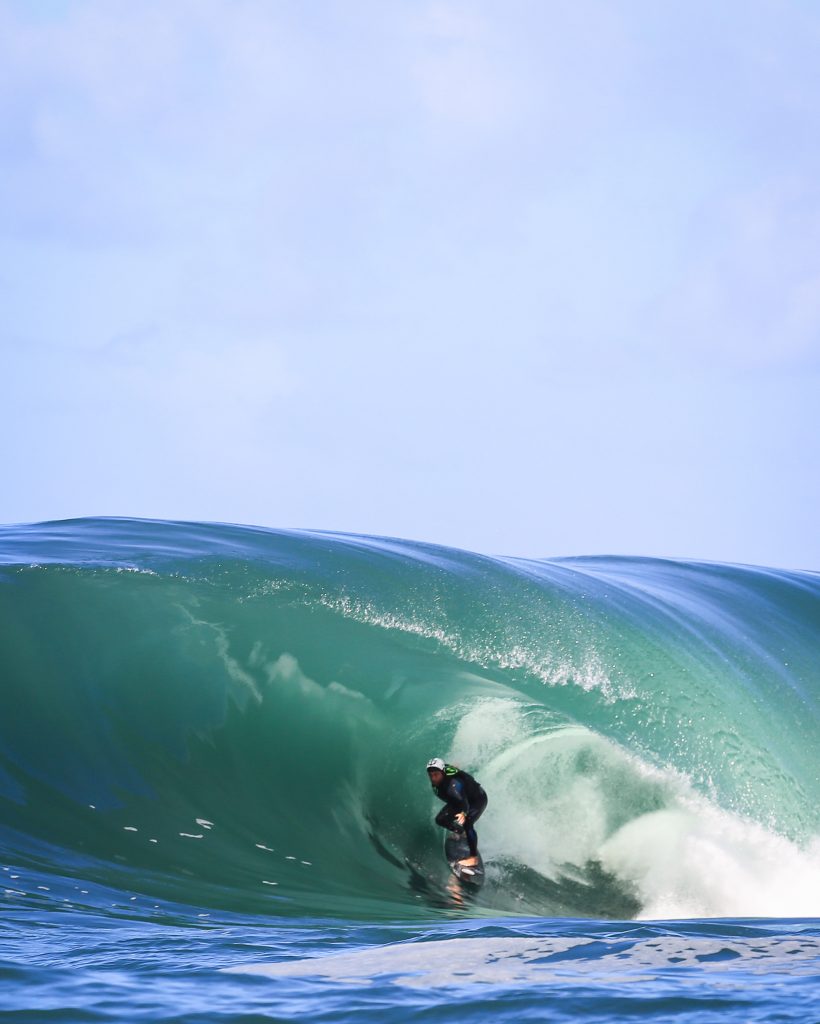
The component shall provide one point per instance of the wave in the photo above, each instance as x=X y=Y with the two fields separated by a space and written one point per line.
x=236 y=717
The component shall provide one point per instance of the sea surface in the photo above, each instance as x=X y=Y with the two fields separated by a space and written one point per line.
x=214 y=806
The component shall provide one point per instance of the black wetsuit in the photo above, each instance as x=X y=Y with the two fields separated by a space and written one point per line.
x=460 y=793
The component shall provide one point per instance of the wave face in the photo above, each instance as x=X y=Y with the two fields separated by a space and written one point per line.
x=240 y=718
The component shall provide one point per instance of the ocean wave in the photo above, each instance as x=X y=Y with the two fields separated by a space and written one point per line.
x=240 y=718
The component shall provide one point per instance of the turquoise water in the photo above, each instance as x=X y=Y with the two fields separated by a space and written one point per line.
x=213 y=803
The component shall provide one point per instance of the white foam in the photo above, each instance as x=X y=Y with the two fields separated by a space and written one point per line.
x=695 y=860
x=507 y=960
x=562 y=797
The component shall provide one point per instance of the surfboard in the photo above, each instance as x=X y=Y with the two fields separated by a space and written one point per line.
x=456 y=848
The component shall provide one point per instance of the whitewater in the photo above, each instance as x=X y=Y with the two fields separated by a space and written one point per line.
x=213 y=802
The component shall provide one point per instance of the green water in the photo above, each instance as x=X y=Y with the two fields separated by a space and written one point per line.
x=243 y=717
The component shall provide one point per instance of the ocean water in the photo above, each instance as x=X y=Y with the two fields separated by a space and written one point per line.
x=213 y=803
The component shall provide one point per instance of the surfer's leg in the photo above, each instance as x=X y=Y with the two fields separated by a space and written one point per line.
x=472 y=838
x=446 y=819
x=478 y=808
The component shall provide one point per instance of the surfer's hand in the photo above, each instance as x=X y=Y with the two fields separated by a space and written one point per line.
x=461 y=817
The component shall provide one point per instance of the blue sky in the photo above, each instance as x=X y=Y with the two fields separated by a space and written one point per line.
x=533 y=278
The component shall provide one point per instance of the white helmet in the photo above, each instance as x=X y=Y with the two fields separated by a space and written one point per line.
x=435 y=764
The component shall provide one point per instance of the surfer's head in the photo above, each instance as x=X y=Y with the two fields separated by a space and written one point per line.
x=435 y=770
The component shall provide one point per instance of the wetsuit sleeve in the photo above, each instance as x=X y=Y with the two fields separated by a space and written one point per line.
x=457 y=797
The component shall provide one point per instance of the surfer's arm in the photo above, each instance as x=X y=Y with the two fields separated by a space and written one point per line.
x=457 y=799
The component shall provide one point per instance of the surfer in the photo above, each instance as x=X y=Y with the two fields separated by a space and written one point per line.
x=464 y=801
